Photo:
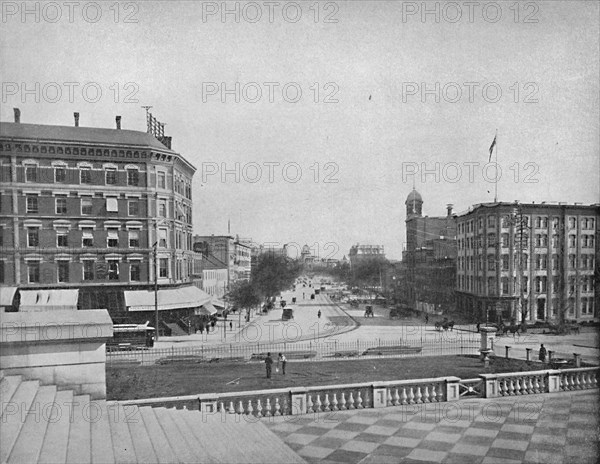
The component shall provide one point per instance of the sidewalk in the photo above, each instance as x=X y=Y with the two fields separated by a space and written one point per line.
x=270 y=328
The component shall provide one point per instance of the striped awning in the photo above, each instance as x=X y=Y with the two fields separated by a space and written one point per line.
x=168 y=299
x=44 y=300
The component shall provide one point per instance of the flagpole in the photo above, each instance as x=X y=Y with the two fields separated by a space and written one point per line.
x=496 y=177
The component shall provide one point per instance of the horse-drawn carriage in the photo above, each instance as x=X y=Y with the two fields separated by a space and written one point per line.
x=369 y=311
x=444 y=324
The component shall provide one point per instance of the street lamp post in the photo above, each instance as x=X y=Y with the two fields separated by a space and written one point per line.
x=156 y=289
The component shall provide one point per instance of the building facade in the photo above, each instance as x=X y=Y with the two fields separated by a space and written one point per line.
x=528 y=262
x=229 y=250
x=428 y=275
x=106 y=211
x=360 y=252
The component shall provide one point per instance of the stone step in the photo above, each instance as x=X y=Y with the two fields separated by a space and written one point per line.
x=14 y=416
x=140 y=436
x=102 y=448
x=160 y=443
x=180 y=447
x=8 y=387
x=208 y=438
x=200 y=454
x=124 y=451
x=56 y=439
x=79 y=447
x=29 y=443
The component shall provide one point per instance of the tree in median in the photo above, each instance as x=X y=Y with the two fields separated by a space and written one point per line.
x=273 y=274
x=244 y=295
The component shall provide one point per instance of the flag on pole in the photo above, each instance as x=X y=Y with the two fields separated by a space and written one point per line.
x=492 y=147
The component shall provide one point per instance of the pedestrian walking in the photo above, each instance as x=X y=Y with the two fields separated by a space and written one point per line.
x=542 y=353
x=426 y=318
x=319 y=314
x=268 y=365
x=230 y=325
x=281 y=361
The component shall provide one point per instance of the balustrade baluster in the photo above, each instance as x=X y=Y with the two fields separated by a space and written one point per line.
x=440 y=393
x=268 y=411
x=433 y=394
x=342 y=402
x=318 y=403
x=231 y=409
x=351 y=401
x=277 y=407
x=240 y=407
x=564 y=382
x=517 y=387
x=396 y=401
x=418 y=395
x=309 y=404
x=403 y=396
x=411 y=396
x=359 y=401
x=426 y=398
x=221 y=407
x=529 y=385
x=249 y=409
x=572 y=378
x=258 y=408
x=326 y=403
x=334 y=403
x=388 y=397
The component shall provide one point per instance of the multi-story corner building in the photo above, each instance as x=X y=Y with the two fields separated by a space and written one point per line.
x=229 y=250
x=529 y=262
x=428 y=272
x=105 y=211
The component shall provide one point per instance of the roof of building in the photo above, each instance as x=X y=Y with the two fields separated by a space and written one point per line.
x=414 y=196
x=39 y=132
x=528 y=206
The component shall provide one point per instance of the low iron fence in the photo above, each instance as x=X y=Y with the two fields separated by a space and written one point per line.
x=319 y=350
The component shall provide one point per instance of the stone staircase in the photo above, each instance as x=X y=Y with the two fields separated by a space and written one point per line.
x=40 y=424
x=176 y=330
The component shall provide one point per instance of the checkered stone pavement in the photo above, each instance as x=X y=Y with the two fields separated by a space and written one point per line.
x=550 y=428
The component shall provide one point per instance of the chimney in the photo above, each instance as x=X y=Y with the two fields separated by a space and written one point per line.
x=17 y=115
x=76 y=119
x=449 y=208
x=118 y=119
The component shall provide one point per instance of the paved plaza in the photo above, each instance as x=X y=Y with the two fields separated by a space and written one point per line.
x=541 y=429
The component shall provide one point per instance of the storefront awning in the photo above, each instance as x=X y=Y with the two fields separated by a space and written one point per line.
x=7 y=295
x=206 y=309
x=173 y=298
x=44 y=300
x=218 y=303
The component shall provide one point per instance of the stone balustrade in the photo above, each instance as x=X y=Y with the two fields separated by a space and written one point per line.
x=330 y=398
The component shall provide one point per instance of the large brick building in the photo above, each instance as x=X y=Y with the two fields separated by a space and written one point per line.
x=428 y=277
x=99 y=210
x=552 y=247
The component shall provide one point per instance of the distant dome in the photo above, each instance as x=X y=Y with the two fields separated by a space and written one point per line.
x=306 y=249
x=413 y=196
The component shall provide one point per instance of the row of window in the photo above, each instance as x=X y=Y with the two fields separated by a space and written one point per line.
x=522 y=240
x=467 y=263
x=540 y=222
x=63 y=175
x=183 y=212
x=90 y=270
x=540 y=284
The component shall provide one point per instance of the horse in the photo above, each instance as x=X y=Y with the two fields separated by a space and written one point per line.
x=369 y=312
x=513 y=329
x=448 y=325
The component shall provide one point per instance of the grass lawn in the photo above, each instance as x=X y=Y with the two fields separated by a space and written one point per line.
x=138 y=382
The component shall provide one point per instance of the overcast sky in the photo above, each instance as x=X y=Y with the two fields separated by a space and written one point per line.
x=362 y=123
